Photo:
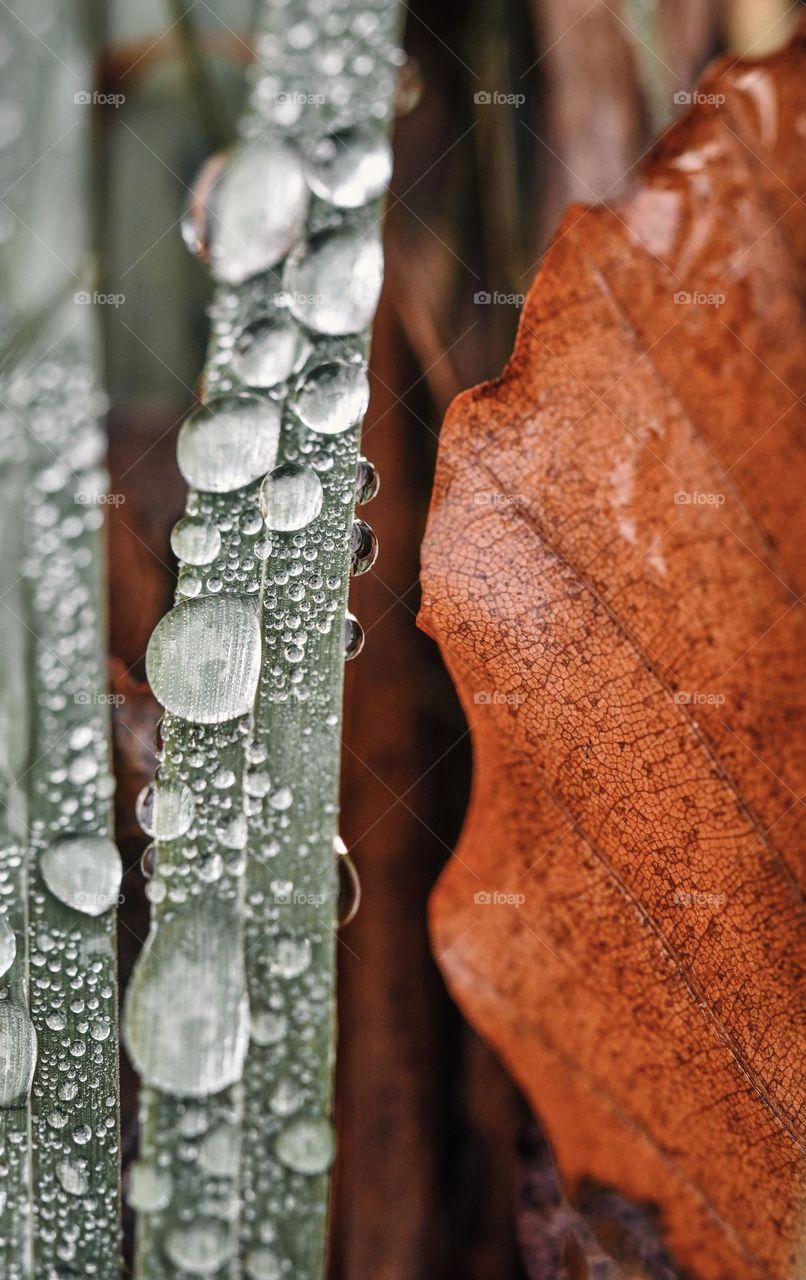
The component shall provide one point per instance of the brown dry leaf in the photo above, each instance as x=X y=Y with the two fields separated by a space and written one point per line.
x=613 y=568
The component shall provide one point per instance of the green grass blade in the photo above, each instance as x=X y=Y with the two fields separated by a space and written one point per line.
x=236 y=1146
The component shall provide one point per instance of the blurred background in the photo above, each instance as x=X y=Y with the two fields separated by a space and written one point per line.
x=508 y=111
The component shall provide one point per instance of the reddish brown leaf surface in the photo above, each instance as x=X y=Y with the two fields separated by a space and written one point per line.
x=613 y=568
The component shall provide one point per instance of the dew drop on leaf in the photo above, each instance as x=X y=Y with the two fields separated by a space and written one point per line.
x=350 y=167
x=333 y=284
x=199 y=1248
x=195 y=541
x=8 y=945
x=247 y=210
x=150 y=1188
x=229 y=442
x=306 y=1146
x=203 y=659
x=261 y=1264
x=17 y=1053
x=367 y=482
x=269 y=350
x=333 y=397
x=291 y=497
x=84 y=872
x=165 y=810
x=187 y=1018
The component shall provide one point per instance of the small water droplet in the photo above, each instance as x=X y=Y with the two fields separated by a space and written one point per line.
x=84 y=872
x=195 y=541
x=350 y=167
x=333 y=397
x=334 y=283
x=306 y=1146
x=291 y=497
x=367 y=482
x=262 y=1264
x=363 y=547
x=72 y=1178
x=203 y=659
x=219 y=1151
x=229 y=442
x=200 y=1248
x=268 y=1028
x=291 y=957
x=269 y=350
x=353 y=637
x=165 y=810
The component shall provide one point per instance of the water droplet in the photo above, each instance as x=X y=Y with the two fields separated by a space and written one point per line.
x=291 y=497
x=262 y=1264
x=187 y=1018
x=84 y=872
x=409 y=87
x=291 y=957
x=350 y=167
x=349 y=890
x=195 y=541
x=363 y=547
x=306 y=1146
x=72 y=1178
x=247 y=210
x=229 y=442
x=333 y=284
x=8 y=945
x=353 y=637
x=333 y=397
x=165 y=810
x=269 y=350
x=286 y=1099
x=367 y=482
x=219 y=1151
x=203 y=659
x=150 y=1188
x=281 y=799
x=269 y=1028
x=200 y=1248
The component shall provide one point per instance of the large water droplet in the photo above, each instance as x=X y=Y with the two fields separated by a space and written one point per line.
x=17 y=1053
x=73 y=1177
x=200 y=1248
x=306 y=1146
x=351 y=167
x=8 y=945
x=333 y=397
x=165 y=810
x=269 y=350
x=247 y=210
x=291 y=497
x=84 y=872
x=187 y=1018
x=229 y=442
x=333 y=284
x=195 y=541
x=203 y=659
x=219 y=1151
